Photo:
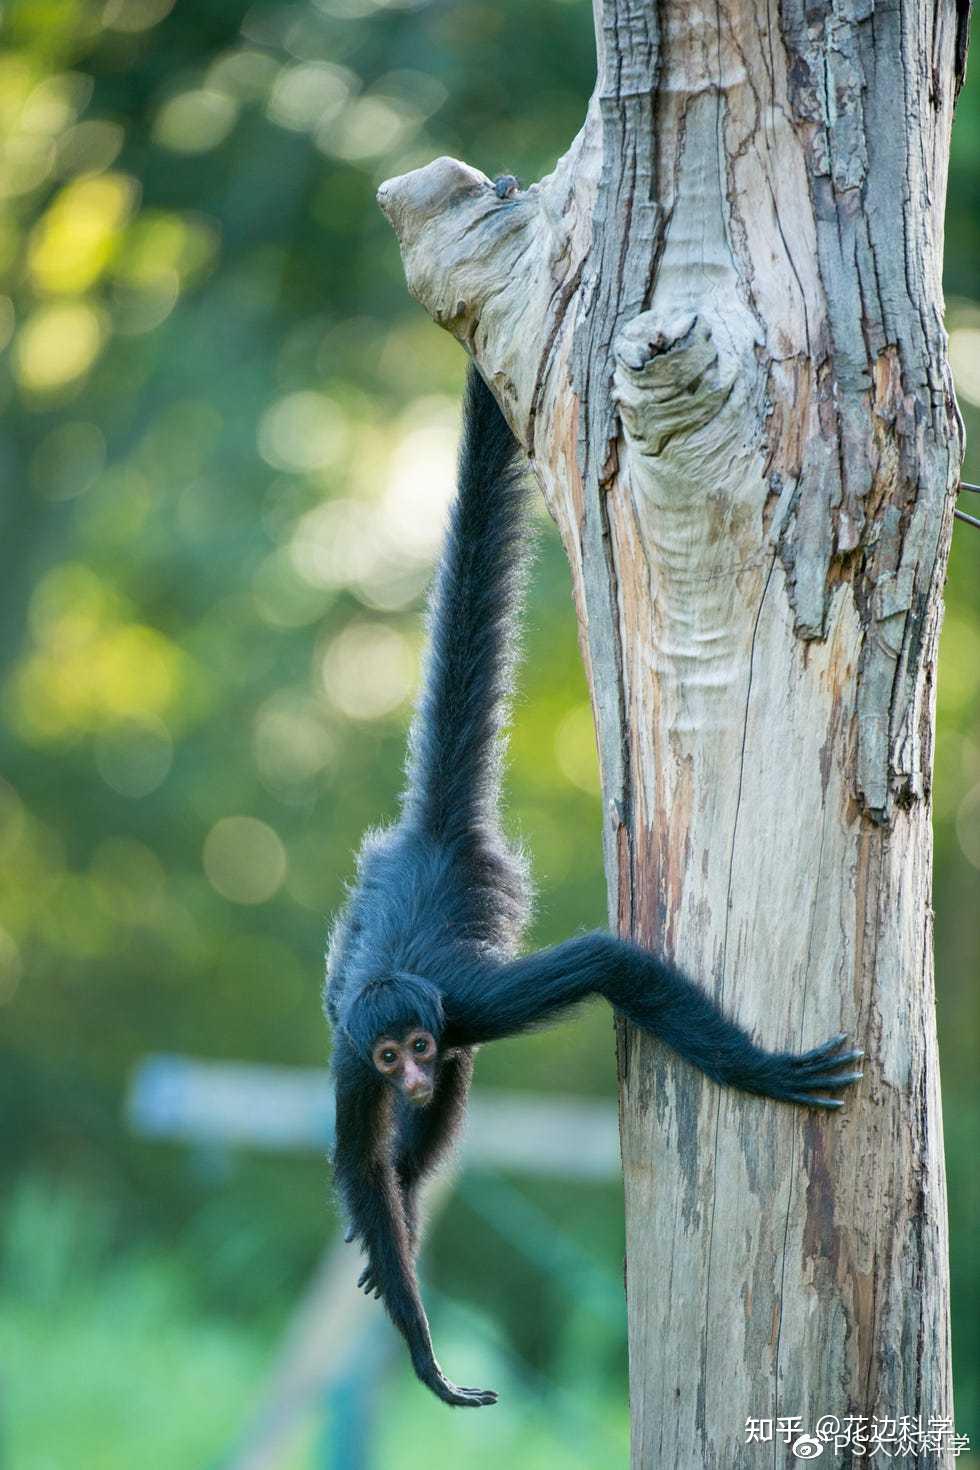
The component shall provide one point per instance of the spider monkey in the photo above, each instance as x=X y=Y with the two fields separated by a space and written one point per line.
x=422 y=965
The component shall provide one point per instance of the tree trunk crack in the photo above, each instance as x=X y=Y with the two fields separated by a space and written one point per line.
x=741 y=771
x=703 y=1368
x=793 y=1140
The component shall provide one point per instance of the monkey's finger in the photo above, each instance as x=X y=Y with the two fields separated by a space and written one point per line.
x=824 y=1049
x=829 y=1076
x=349 y=1234
x=835 y=1079
x=814 y=1081
x=809 y=1100
x=839 y=1059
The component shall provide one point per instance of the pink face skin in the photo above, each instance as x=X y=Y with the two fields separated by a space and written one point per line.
x=408 y=1063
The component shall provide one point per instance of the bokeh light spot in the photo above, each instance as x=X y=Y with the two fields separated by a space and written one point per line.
x=421 y=479
x=309 y=95
x=78 y=234
x=57 y=344
x=135 y=15
x=368 y=671
x=282 y=598
x=964 y=359
x=90 y=146
x=368 y=127
x=134 y=756
x=138 y=309
x=55 y=102
x=244 y=859
x=302 y=431
x=575 y=749
x=135 y=670
x=195 y=121
x=358 y=9
x=27 y=161
x=243 y=73
x=160 y=245
x=335 y=544
x=90 y=668
x=292 y=745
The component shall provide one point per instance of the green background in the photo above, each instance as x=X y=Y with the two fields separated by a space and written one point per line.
x=227 y=438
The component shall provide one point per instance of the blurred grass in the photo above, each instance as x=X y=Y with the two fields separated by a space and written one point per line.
x=111 y=1360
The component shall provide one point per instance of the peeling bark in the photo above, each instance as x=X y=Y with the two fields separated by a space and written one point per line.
x=717 y=327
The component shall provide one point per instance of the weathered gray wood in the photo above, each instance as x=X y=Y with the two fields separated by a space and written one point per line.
x=717 y=327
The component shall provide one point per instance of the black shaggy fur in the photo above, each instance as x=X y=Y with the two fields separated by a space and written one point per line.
x=429 y=936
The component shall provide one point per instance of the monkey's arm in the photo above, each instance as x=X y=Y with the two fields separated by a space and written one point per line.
x=656 y=997
x=425 y=1135
x=366 y=1180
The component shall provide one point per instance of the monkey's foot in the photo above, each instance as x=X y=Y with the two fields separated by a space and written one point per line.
x=804 y=1078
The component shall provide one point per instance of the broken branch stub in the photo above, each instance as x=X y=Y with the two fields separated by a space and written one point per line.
x=485 y=265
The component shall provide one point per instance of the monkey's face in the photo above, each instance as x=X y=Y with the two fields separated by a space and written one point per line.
x=409 y=1064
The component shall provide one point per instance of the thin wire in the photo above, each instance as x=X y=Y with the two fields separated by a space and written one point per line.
x=970 y=520
x=965 y=485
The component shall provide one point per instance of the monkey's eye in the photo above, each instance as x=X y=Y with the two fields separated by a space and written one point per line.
x=420 y=1045
x=388 y=1056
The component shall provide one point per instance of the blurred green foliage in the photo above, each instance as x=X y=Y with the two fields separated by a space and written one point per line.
x=227 y=439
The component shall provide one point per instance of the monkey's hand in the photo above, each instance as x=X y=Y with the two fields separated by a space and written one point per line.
x=368 y=1283
x=433 y=1377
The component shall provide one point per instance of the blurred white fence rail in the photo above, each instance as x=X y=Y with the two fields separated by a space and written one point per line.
x=231 y=1103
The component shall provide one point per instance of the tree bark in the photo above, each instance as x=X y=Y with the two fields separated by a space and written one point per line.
x=717 y=327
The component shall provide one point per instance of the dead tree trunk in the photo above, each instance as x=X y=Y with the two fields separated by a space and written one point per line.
x=717 y=327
